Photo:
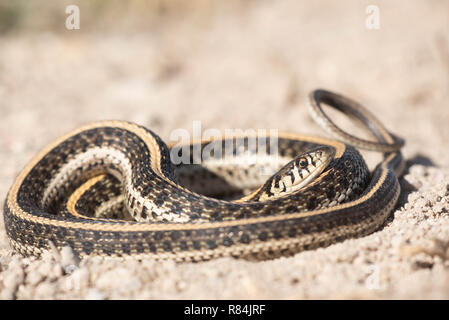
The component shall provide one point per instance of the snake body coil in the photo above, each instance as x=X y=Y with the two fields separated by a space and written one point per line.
x=319 y=193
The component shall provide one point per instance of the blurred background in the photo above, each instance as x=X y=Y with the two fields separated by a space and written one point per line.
x=230 y=64
x=236 y=64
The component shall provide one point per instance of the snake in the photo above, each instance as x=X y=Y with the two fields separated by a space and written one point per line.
x=115 y=189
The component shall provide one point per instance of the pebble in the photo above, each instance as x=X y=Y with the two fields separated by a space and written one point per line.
x=94 y=294
x=45 y=290
x=69 y=260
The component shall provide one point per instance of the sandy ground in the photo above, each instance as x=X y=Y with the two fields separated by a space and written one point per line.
x=251 y=69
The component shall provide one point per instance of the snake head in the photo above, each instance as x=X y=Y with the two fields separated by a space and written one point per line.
x=298 y=173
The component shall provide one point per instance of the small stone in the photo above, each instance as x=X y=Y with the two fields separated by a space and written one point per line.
x=7 y=294
x=94 y=294
x=44 y=290
x=56 y=271
x=13 y=279
x=34 y=278
x=180 y=285
x=45 y=269
x=69 y=260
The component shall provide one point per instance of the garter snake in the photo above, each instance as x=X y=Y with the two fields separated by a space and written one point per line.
x=323 y=192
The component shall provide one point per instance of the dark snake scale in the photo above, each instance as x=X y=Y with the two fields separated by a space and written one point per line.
x=112 y=189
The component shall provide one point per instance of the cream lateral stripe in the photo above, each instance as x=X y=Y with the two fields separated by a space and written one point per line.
x=71 y=203
x=236 y=249
x=141 y=227
x=97 y=153
x=149 y=227
x=155 y=159
x=276 y=225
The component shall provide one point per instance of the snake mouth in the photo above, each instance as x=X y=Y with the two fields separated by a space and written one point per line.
x=298 y=173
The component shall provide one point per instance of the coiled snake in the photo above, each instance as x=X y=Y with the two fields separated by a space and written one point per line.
x=112 y=188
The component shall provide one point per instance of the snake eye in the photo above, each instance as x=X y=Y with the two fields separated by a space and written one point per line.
x=303 y=162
